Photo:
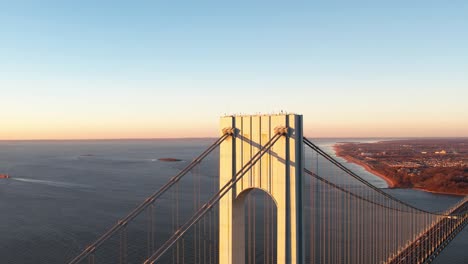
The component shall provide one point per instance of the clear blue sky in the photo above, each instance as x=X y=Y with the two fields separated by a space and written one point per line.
x=114 y=69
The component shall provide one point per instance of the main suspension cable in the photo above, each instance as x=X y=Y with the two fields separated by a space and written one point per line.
x=357 y=177
x=213 y=201
x=150 y=200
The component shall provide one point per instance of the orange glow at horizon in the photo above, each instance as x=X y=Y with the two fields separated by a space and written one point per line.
x=108 y=133
x=140 y=130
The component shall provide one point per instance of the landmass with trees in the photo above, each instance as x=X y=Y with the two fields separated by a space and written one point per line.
x=435 y=165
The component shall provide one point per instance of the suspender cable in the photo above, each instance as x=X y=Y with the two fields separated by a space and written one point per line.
x=357 y=177
x=119 y=225
x=213 y=201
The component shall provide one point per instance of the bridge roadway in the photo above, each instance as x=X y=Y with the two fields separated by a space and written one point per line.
x=421 y=247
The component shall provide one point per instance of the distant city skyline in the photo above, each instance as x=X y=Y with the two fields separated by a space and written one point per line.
x=118 y=69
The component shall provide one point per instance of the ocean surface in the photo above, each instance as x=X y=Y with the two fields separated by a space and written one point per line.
x=64 y=194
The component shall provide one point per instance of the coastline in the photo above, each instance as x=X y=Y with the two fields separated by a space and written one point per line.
x=437 y=192
x=390 y=182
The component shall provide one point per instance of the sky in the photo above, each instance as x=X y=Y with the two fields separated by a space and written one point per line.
x=164 y=69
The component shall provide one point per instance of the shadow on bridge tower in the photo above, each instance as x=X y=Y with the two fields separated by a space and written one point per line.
x=278 y=173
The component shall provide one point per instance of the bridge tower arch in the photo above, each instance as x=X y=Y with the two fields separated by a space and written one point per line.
x=278 y=173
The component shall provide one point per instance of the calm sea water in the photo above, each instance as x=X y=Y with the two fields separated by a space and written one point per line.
x=64 y=194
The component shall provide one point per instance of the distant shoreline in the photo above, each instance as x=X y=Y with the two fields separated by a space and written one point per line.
x=209 y=137
x=390 y=182
x=436 y=192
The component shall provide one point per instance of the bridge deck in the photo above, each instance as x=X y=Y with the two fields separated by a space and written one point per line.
x=424 y=244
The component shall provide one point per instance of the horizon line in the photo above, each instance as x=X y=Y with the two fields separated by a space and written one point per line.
x=212 y=137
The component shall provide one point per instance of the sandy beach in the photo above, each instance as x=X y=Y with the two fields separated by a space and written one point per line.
x=389 y=181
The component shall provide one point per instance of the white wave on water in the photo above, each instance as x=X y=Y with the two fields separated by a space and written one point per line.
x=53 y=183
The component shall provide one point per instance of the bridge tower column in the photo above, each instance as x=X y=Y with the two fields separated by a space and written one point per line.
x=278 y=173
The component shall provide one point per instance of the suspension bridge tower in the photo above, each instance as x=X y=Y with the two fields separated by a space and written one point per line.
x=278 y=173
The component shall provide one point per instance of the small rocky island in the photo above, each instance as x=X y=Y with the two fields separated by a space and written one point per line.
x=169 y=159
